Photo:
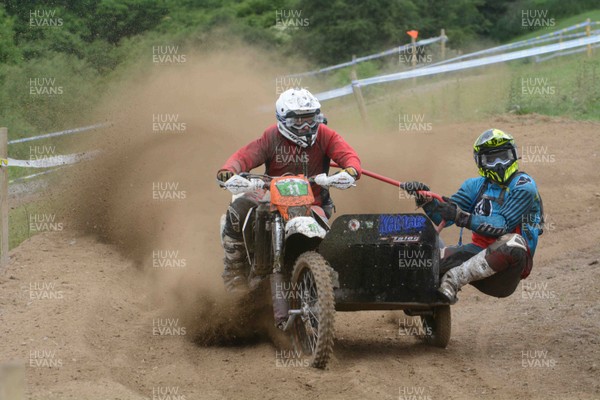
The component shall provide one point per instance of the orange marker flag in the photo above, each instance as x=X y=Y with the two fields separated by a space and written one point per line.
x=413 y=34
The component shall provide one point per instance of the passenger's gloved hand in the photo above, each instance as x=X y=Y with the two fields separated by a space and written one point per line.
x=224 y=175
x=412 y=188
x=449 y=211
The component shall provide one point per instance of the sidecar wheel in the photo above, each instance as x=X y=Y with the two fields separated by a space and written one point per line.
x=438 y=327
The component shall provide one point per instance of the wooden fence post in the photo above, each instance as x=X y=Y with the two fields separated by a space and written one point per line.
x=358 y=93
x=443 y=35
x=414 y=52
x=4 y=197
x=588 y=33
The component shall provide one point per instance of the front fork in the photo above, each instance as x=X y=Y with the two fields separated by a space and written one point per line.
x=278 y=298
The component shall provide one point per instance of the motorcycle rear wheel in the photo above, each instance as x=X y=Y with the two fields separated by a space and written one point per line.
x=313 y=330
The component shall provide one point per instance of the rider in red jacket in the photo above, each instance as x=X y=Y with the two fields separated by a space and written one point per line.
x=299 y=143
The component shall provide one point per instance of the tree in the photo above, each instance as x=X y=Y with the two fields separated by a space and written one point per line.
x=338 y=29
x=9 y=53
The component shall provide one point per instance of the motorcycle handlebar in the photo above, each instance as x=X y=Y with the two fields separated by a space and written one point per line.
x=266 y=178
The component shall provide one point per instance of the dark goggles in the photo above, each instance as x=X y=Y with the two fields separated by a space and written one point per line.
x=300 y=122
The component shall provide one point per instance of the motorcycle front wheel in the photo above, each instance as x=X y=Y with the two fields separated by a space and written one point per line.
x=313 y=329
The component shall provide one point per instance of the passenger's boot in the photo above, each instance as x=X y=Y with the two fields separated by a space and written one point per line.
x=236 y=265
x=473 y=269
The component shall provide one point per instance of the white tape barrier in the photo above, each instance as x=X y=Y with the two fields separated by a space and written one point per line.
x=548 y=37
x=23 y=178
x=536 y=40
x=565 y=53
x=331 y=94
x=394 y=50
x=53 y=161
x=61 y=133
x=511 y=46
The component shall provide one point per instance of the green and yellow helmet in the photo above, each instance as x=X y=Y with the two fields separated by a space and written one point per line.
x=496 y=155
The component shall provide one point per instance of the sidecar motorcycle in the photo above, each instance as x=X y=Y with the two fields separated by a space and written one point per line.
x=361 y=262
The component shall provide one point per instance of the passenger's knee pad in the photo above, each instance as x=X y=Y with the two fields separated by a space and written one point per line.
x=509 y=250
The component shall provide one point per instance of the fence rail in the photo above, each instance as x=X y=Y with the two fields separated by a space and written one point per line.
x=548 y=37
x=456 y=66
x=58 y=162
x=395 y=50
x=61 y=133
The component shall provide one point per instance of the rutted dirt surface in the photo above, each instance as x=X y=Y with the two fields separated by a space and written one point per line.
x=96 y=315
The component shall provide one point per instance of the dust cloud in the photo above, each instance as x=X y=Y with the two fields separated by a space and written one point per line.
x=152 y=192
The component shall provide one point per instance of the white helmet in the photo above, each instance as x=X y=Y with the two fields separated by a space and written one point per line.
x=298 y=116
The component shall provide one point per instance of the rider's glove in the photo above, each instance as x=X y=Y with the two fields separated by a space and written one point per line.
x=351 y=171
x=412 y=188
x=341 y=180
x=449 y=211
x=224 y=175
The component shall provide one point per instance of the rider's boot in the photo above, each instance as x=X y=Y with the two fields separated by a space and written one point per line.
x=236 y=265
x=473 y=269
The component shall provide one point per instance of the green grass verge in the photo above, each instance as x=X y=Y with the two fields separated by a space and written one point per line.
x=566 y=86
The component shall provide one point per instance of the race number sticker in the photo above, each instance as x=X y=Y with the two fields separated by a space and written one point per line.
x=292 y=187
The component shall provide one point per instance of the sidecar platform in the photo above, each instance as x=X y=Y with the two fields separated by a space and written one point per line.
x=384 y=262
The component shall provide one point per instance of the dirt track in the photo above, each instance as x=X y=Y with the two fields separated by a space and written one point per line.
x=83 y=315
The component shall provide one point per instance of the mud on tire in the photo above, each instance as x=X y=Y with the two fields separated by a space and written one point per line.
x=438 y=327
x=313 y=331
